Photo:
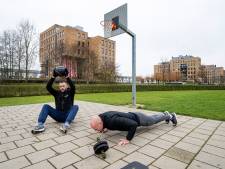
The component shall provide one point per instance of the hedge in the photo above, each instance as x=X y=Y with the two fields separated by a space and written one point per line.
x=40 y=89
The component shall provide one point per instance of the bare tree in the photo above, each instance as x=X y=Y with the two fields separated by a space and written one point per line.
x=29 y=40
x=90 y=66
x=20 y=54
x=108 y=71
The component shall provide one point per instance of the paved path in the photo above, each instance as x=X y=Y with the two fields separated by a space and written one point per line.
x=194 y=143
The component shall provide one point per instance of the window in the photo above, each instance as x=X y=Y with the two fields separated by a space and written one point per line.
x=102 y=42
x=78 y=43
x=78 y=51
x=102 y=50
x=82 y=44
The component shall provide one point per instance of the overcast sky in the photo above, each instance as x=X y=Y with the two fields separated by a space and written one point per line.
x=164 y=28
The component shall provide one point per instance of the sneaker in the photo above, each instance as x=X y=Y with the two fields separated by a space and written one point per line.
x=167 y=120
x=174 y=119
x=64 y=128
x=38 y=129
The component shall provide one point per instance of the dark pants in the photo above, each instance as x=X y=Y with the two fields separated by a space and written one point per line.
x=152 y=119
x=57 y=115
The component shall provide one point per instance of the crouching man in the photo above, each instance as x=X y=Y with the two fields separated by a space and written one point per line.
x=114 y=120
x=65 y=111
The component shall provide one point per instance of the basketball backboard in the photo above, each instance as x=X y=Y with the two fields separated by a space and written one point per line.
x=118 y=15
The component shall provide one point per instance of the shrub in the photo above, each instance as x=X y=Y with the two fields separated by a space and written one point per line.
x=40 y=89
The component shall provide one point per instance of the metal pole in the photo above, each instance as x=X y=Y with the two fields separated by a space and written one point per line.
x=134 y=71
x=133 y=62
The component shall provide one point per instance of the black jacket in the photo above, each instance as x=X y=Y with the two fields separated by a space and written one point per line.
x=114 y=120
x=63 y=100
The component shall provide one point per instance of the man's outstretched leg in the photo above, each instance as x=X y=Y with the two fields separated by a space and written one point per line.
x=69 y=118
x=146 y=120
x=47 y=110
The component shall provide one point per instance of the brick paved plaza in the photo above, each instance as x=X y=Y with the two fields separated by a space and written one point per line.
x=194 y=143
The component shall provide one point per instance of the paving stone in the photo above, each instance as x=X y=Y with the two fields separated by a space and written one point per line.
x=113 y=155
x=142 y=158
x=200 y=165
x=162 y=144
x=80 y=134
x=220 y=132
x=180 y=154
x=157 y=131
x=85 y=151
x=26 y=141
x=139 y=141
x=177 y=133
x=217 y=137
x=152 y=167
x=220 y=144
x=182 y=129
x=62 y=148
x=7 y=146
x=46 y=136
x=91 y=163
x=211 y=159
x=149 y=136
x=10 y=139
x=69 y=167
x=44 y=144
x=193 y=140
x=188 y=147
x=83 y=141
x=64 y=160
x=170 y=138
x=19 y=151
x=214 y=150
x=64 y=139
x=203 y=131
x=15 y=163
x=129 y=148
x=118 y=164
x=3 y=157
x=96 y=135
x=168 y=163
x=198 y=135
x=41 y=155
x=115 y=138
x=16 y=132
x=152 y=151
x=43 y=165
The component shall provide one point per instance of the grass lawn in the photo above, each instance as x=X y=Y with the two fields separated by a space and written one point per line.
x=206 y=104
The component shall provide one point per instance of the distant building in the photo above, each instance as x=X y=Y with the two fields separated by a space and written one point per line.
x=104 y=50
x=188 y=69
x=72 y=48
x=211 y=74
x=184 y=68
x=162 y=71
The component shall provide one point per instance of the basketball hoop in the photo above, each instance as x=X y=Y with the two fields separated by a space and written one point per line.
x=107 y=25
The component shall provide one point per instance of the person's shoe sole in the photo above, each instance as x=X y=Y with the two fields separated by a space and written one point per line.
x=37 y=131
x=63 y=130
x=174 y=119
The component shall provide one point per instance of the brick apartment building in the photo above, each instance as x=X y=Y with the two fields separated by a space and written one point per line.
x=71 y=47
x=188 y=68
